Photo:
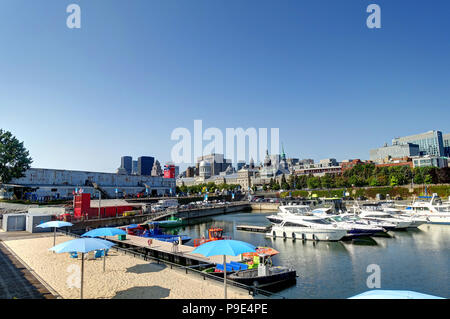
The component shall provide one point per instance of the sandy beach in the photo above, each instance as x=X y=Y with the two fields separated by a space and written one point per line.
x=125 y=276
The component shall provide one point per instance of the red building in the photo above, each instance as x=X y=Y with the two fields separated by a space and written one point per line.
x=82 y=208
x=348 y=165
x=169 y=171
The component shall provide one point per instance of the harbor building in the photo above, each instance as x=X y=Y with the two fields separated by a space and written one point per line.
x=430 y=143
x=47 y=184
x=379 y=155
x=145 y=165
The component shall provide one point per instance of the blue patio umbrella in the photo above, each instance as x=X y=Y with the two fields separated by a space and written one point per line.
x=82 y=245
x=393 y=294
x=55 y=224
x=224 y=247
x=103 y=232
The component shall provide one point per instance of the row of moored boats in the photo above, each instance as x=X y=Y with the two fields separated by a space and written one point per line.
x=302 y=222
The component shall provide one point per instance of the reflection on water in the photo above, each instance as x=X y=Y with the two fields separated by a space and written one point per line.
x=416 y=260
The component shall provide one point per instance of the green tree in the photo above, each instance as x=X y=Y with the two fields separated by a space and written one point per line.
x=275 y=186
x=394 y=180
x=284 y=184
x=15 y=160
x=428 y=179
x=313 y=182
x=301 y=182
x=327 y=181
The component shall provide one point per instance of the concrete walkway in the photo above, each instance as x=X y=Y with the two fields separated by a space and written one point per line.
x=16 y=281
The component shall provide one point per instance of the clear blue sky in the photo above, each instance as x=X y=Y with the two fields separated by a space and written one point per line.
x=137 y=69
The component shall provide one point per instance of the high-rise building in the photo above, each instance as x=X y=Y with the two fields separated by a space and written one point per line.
x=446 y=140
x=156 y=169
x=126 y=163
x=430 y=143
x=134 y=167
x=240 y=165
x=145 y=165
x=190 y=171
x=394 y=151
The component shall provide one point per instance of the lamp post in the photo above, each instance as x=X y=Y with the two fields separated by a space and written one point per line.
x=99 y=203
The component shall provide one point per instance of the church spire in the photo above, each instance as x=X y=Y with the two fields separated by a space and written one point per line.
x=283 y=155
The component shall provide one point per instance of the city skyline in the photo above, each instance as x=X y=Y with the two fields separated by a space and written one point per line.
x=81 y=99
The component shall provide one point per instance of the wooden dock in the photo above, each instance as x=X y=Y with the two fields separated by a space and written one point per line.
x=254 y=228
x=180 y=254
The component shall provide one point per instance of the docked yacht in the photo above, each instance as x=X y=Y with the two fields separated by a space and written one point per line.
x=374 y=212
x=287 y=210
x=354 y=228
x=356 y=219
x=306 y=226
x=415 y=220
x=434 y=211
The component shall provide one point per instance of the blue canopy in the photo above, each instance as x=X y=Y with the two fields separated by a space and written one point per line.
x=393 y=294
x=133 y=226
x=227 y=247
x=106 y=231
x=55 y=224
x=82 y=245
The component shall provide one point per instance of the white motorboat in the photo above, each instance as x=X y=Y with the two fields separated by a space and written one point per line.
x=307 y=226
x=381 y=215
x=353 y=227
x=416 y=221
x=286 y=210
x=382 y=224
x=433 y=210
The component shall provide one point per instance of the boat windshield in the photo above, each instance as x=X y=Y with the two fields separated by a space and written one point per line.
x=298 y=210
x=320 y=221
x=338 y=218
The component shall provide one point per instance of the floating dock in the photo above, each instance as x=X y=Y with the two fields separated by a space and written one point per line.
x=254 y=228
x=179 y=254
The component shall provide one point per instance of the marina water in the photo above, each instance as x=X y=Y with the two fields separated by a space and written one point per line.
x=416 y=259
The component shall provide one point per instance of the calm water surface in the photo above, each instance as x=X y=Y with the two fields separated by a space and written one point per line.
x=417 y=259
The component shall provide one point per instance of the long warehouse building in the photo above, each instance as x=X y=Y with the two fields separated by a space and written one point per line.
x=41 y=183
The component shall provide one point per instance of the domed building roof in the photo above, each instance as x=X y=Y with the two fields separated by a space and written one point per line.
x=204 y=164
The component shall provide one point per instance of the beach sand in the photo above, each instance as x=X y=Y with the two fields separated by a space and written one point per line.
x=125 y=276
